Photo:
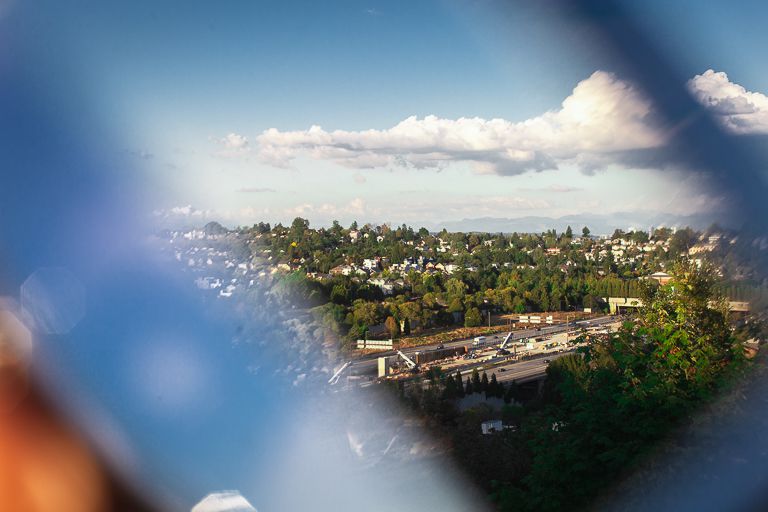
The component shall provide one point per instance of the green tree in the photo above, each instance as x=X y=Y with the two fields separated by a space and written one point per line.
x=459 y=384
x=681 y=241
x=455 y=306
x=472 y=318
x=630 y=389
x=495 y=388
x=476 y=382
x=468 y=388
x=410 y=310
x=339 y=294
x=450 y=390
x=406 y=326
x=455 y=288
x=393 y=327
x=366 y=313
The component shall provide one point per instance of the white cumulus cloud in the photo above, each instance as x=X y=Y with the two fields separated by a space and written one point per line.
x=603 y=117
x=604 y=122
x=739 y=110
x=233 y=144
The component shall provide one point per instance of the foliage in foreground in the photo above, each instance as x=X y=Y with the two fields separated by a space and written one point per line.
x=603 y=413
x=605 y=408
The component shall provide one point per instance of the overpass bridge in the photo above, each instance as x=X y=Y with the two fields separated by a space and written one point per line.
x=618 y=305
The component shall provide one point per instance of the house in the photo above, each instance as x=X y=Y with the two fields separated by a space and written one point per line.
x=372 y=264
x=699 y=248
x=208 y=283
x=387 y=287
x=228 y=291
x=491 y=426
x=343 y=270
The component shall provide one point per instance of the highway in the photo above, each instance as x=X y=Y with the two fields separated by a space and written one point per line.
x=522 y=371
x=367 y=363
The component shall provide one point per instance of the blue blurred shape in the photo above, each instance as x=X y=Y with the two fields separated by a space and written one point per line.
x=54 y=298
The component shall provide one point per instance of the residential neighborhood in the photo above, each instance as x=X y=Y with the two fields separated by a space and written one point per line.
x=383 y=281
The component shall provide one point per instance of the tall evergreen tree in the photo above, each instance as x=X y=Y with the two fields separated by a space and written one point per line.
x=476 y=386
x=459 y=384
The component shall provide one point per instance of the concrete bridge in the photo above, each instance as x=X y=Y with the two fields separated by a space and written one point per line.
x=617 y=305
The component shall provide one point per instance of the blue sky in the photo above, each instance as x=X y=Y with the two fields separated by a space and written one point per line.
x=203 y=110
x=172 y=80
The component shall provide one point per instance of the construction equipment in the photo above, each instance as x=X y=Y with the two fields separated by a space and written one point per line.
x=336 y=376
x=412 y=366
x=502 y=348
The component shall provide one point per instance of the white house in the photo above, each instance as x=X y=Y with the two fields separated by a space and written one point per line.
x=491 y=426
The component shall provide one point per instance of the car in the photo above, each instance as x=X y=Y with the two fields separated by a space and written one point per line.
x=502 y=369
x=547 y=361
x=440 y=346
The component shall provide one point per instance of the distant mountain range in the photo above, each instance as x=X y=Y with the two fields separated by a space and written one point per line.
x=598 y=224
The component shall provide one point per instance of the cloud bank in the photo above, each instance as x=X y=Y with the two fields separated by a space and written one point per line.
x=604 y=122
x=603 y=115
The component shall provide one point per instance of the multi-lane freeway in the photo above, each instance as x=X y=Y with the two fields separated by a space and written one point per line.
x=522 y=371
x=367 y=364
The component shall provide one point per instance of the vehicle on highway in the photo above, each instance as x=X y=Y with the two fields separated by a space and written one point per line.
x=547 y=361
x=502 y=369
x=440 y=347
x=480 y=340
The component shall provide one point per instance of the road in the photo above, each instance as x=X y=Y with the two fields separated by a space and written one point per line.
x=368 y=363
x=522 y=371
